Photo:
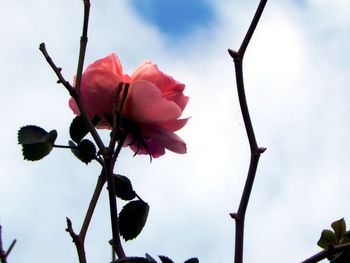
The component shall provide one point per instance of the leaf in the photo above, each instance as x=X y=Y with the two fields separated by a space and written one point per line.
x=132 y=260
x=85 y=151
x=36 y=142
x=123 y=187
x=192 y=260
x=132 y=219
x=152 y=260
x=327 y=238
x=165 y=259
x=79 y=129
x=339 y=228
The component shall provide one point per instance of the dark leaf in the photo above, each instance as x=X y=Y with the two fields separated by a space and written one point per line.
x=85 y=151
x=123 y=187
x=79 y=129
x=165 y=259
x=327 y=238
x=132 y=260
x=346 y=238
x=339 y=228
x=192 y=260
x=152 y=260
x=36 y=142
x=132 y=219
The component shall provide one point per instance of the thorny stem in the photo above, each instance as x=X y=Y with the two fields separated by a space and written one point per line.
x=78 y=240
x=331 y=250
x=108 y=168
x=254 y=149
x=79 y=244
x=99 y=186
x=73 y=93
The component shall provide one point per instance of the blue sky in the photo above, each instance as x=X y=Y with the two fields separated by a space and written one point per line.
x=175 y=18
x=297 y=79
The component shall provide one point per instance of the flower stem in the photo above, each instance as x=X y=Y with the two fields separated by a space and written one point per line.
x=116 y=243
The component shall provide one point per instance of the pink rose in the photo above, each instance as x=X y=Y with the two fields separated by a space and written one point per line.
x=153 y=106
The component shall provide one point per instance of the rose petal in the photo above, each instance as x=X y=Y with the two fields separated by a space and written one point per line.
x=145 y=104
x=174 y=125
x=153 y=148
x=165 y=138
x=170 y=88
x=108 y=63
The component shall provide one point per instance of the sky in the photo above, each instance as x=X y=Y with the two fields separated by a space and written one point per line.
x=297 y=86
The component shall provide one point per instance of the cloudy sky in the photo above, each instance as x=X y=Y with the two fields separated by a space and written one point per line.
x=297 y=78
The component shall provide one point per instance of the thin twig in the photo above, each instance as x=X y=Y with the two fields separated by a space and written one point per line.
x=74 y=95
x=4 y=254
x=331 y=250
x=80 y=239
x=254 y=149
x=83 y=44
x=99 y=186
x=79 y=244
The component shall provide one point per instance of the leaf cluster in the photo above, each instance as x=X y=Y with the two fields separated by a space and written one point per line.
x=333 y=237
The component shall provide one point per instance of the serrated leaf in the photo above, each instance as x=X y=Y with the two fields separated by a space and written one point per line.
x=36 y=142
x=123 y=187
x=339 y=228
x=327 y=238
x=132 y=219
x=85 y=151
x=79 y=129
x=192 y=260
x=132 y=260
x=165 y=259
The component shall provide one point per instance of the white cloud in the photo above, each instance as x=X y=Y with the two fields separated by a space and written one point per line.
x=297 y=87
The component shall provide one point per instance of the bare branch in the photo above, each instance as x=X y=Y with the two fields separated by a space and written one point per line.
x=239 y=217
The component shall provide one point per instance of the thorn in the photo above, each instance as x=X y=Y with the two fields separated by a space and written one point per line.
x=59 y=69
x=58 y=82
x=261 y=150
x=233 y=54
x=234 y=216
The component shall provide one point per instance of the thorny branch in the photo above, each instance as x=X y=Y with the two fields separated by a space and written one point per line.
x=254 y=149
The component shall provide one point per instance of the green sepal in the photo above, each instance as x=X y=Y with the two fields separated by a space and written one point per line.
x=123 y=187
x=36 y=142
x=85 y=150
x=79 y=128
x=132 y=219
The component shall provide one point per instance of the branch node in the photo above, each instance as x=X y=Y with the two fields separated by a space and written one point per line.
x=233 y=54
x=71 y=232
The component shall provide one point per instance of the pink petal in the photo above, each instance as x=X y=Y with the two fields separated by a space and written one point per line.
x=174 y=125
x=98 y=85
x=170 y=88
x=165 y=138
x=145 y=104
x=108 y=63
x=154 y=149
